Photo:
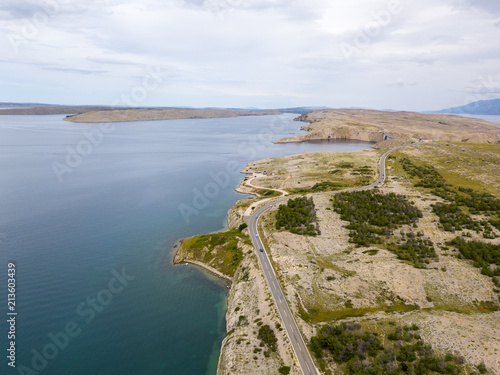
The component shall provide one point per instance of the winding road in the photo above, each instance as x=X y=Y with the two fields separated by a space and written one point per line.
x=299 y=347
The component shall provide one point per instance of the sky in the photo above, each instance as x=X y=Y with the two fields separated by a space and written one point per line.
x=380 y=54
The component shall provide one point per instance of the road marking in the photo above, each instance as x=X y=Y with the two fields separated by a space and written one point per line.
x=271 y=277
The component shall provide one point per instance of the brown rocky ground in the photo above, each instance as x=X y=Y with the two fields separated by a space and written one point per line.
x=119 y=114
x=329 y=279
x=368 y=125
x=305 y=170
x=149 y=114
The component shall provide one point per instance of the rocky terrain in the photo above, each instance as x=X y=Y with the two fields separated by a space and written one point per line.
x=150 y=114
x=370 y=125
x=326 y=278
x=93 y=114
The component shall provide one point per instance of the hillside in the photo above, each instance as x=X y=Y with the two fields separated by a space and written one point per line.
x=482 y=107
x=370 y=125
x=149 y=114
x=92 y=114
x=410 y=273
x=46 y=109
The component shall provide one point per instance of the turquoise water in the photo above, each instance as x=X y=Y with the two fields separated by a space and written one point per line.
x=71 y=225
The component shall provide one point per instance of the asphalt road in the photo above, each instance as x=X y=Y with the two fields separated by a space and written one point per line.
x=299 y=347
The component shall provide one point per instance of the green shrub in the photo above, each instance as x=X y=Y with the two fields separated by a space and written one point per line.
x=298 y=216
x=362 y=352
x=285 y=370
x=267 y=337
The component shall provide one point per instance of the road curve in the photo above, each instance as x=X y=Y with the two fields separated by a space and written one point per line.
x=299 y=347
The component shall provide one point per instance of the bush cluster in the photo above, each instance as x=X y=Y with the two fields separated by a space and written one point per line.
x=484 y=255
x=284 y=370
x=477 y=202
x=318 y=187
x=362 y=352
x=372 y=215
x=415 y=250
x=365 y=170
x=428 y=176
x=298 y=216
x=326 y=186
x=267 y=338
x=451 y=216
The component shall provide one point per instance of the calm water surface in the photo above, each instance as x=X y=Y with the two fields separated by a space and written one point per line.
x=491 y=118
x=71 y=223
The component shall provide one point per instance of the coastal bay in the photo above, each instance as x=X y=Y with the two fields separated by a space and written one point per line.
x=118 y=209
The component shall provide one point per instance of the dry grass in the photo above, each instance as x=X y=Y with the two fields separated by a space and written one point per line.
x=328 y=279
x=299 y=173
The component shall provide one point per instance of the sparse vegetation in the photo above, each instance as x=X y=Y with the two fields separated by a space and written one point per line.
x=318 y=314
x=427 y=176
x=452 y=216
x=326 y=186
x=218 y=250
x=418 y=251
x=484 y=255
x=318 y=187
x=372 y=214
x=362 y=352
x=373 y=217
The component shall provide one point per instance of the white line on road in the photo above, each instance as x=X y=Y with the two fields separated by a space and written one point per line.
x=271 y=276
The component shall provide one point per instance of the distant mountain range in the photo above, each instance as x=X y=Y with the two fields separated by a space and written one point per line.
x=482 y=107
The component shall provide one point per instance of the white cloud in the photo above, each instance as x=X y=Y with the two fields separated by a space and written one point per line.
x=250 y=53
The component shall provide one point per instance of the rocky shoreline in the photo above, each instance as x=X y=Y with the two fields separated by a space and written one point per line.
x=328 y=271
x=249 y=306
x=177 y=259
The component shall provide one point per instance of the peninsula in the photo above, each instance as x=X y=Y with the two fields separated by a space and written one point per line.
x=378 y=271
x=95 y=114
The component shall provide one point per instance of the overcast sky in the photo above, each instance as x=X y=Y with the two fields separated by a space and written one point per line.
x=387 y=54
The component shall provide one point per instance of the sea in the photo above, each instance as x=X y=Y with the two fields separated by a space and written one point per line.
x=88 y=217
x=491 y=118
